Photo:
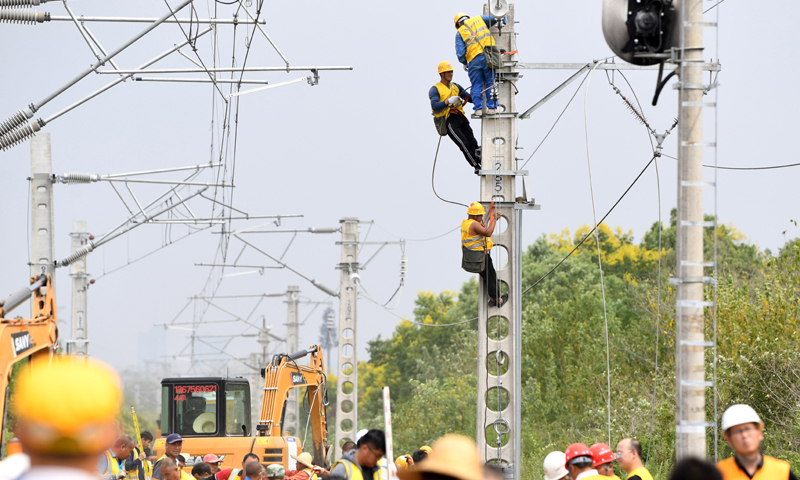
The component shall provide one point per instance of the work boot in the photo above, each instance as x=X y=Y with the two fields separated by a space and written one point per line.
x=478 y=171
x=491 y=111
x=478 y=113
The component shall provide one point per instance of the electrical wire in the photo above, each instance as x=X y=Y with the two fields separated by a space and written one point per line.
x=597 y=240
x=433 y=175
x=420 y=239
x=370 y=299
x=771 y=167
x=713 y=6
x=556 y=122
x=541 y=279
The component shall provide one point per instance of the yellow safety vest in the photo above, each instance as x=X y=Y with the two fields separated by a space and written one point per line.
x=134 y=474
x=476 y=36
x=643 y=473
x=311 y=474
x=354 y=472
x=475 y=242
x=444 y=94
x=773 y=469
x=112 y=465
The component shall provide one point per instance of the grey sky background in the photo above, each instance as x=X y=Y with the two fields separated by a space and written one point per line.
x=361 y=143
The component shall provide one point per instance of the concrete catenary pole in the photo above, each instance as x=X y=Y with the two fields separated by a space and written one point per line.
x=291 y=419
x=347 y=383
x=691 y=381
x=80 y=290
x=42 y=221
x=500 y=329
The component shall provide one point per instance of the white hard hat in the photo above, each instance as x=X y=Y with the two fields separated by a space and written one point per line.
x=360 y=434
x=554 y=468
x=738 y=415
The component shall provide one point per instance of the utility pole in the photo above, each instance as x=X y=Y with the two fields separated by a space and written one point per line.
x=42 y=221
x=347 y=403
x=691 y=381
x=80 y=291
x=291 y=418
x=500 y=328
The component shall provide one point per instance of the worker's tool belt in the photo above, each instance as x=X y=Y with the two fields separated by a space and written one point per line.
x=473 y=261
x=494 y=60
x=441 y=123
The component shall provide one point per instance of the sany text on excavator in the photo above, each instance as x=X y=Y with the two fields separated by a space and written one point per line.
x=212 y=414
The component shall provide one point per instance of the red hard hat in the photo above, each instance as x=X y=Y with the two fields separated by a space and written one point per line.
x=601 y=454
x=576 y=450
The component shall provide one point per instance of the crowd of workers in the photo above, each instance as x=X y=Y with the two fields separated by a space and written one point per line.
x=75 y=436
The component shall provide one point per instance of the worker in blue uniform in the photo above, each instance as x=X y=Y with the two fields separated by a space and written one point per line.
x=447 y=100
x=472 y=38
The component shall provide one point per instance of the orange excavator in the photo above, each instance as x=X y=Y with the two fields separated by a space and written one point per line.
x=22 y=338
x=212 y=414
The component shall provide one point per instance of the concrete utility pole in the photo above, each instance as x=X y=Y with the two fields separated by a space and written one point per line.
x=691 y=381
x=42 y=222
x=500 y=329
x=291 y=420
x=80 y=291
x=346 y=403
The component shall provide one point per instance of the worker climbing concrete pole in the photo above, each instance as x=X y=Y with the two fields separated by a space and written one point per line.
x=500 y=326
x=347 y=383
x=473 y=42
x=292 y=419
x=447 y=103
x=42 y=221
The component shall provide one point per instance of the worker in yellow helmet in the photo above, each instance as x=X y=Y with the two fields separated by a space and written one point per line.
x=66 y=412
x=403 y=462
x=447 y=102
x=472 y=39
x=475 y=247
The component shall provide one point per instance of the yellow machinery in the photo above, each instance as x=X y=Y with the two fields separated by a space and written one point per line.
x=21 y=338
x=212 y=414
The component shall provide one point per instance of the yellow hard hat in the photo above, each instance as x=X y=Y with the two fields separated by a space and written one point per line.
x=402 y=462
x=459 y=15
x=445 y=67
x=67 y=406
x=475 y=208
x=426 y=448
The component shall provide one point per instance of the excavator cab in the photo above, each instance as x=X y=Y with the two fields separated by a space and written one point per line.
x=206 y=407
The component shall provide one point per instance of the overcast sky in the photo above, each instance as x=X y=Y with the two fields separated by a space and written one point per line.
x=360 y=144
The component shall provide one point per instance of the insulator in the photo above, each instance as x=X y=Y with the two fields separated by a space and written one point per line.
x=77 y=255
x=11 y=3
x=21 y=134
x=75 y=178
x=22 y=15
x=403 y=267
x=15 y=120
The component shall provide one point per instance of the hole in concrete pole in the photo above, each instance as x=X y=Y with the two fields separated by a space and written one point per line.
x=347 y=333
x=346 y=425
x=347 y=388
x=497 y=327
x=491 y=438
x=497 y=399
x=347 y=368
x=497 y=363
x=347 y=406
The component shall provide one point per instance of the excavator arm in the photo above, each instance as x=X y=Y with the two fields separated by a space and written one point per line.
x=26 y=337
x=280 y=377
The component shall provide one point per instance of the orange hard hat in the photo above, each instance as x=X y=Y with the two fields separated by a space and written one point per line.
x=576 y=450
x=601 y=454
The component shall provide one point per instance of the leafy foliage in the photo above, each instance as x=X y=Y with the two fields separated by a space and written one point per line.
x=432 y=370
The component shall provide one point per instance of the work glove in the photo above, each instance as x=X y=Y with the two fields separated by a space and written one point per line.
x=453 y=100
